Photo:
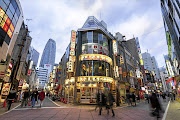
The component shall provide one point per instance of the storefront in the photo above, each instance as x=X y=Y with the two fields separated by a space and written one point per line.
x=87 y=88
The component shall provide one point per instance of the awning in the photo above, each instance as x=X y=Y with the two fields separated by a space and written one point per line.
x=170 y=80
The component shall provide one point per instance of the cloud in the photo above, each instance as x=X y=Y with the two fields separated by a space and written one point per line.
x=56 y=18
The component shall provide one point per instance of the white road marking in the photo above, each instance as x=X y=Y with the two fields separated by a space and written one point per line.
x=11 y=109
x=165 y=114
x=54 y=102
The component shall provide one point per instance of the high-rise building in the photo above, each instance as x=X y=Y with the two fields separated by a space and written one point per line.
x=34 y=56
x=171 y=17
x=151 y=64
x=49 y=53
x=42 y=74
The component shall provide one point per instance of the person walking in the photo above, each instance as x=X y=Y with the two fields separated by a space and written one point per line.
x=11 y=97
x=97 y=100
x=41 y=96
x=36 y=93
x=25 y=98
x=33 y=96
x=102 y=101
x=156 y=107
x=109 y=103
x=133 y=99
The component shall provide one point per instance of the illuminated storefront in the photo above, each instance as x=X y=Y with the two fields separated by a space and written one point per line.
x=90 y=68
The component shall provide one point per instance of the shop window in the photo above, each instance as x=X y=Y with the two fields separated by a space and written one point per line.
x=90 y=37
x=100 y=38
x=95 y=37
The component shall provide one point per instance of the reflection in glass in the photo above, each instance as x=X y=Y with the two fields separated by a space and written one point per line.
x=95 y=68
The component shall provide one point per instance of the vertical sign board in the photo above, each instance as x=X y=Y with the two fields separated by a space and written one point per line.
x=169 y=67
x=121 y=59
x=72 y=51
x=114 y=47
x=73 y=42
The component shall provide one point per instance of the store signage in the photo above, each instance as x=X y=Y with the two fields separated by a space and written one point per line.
x=96 y=57
x=114 y=47
x=169 y=67
x=138 y=74
x=70 y=66
x=6 y=89
x=6 y=24
x=73 y=42
x=116 y=71
x=175 y=64
x=120 y=70
x=10 y=65
x=121 y=59
x=21 y=82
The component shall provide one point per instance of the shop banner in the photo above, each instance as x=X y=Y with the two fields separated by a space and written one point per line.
x=73 y=42
x=6 y=89
x=114 y=47
x=121 y=59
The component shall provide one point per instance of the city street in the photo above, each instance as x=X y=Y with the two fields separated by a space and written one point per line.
x=51 y=111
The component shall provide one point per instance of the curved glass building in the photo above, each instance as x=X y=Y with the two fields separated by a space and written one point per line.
x=49 y=53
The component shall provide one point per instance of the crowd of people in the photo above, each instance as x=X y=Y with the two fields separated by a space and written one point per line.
x=27 y=98
x=105 y=101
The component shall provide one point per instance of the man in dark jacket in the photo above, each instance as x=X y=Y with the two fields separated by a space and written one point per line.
x=11 y=97
x=101 y=100
x=133 y=99
x=25 y=97
x=155 y=105
x=109 y=103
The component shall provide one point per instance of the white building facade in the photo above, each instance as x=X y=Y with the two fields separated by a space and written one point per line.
x=151 y=64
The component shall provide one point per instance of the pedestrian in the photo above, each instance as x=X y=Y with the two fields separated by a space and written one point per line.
x=138 y=98
x=33 y=96
x=109 y=103
x=97 y=101
x=156 y=107
x=25 y=98
x=127 y=98
x=36 y=95
x=11 y=97
x=174 y=95
x=102 y=101
x=133 y=99
x=41 y=96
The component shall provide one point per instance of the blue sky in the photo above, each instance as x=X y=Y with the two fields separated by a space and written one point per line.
x=56 y=18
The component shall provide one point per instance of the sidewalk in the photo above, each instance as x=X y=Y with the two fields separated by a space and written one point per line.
x=88 y=106
x=173 y=111
x=5 y=109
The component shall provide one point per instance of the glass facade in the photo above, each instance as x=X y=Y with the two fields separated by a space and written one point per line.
x=94 y=42
x=95 y=68
x=9 y=15
x=49 y=53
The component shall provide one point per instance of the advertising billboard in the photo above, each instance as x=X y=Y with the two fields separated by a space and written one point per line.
x=114 y=47
x=169 y=67
x=6 y=89
x=73 y=42
x=6 y=24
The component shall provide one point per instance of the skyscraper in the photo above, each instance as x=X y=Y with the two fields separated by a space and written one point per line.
x=48 y=56
x=171 y=13
x=150 y=64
